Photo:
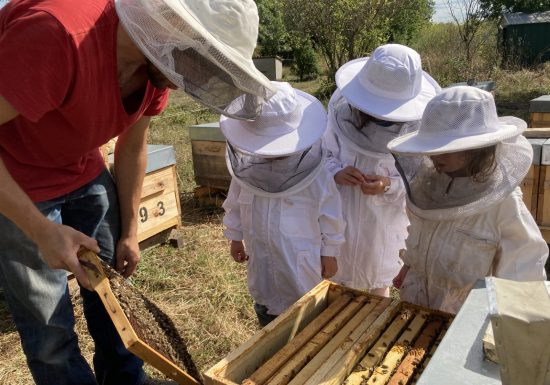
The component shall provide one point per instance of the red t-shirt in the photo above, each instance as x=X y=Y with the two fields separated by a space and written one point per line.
x=58 y=68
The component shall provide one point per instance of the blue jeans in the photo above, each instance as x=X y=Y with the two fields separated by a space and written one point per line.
x=39 y=300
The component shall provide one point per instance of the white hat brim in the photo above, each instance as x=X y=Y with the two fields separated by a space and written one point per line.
x=380 y=107
x=311 y=128
x=415 y=143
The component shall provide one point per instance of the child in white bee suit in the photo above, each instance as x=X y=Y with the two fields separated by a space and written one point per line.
x=282 y=202
x=468 y=220
x=378 y=98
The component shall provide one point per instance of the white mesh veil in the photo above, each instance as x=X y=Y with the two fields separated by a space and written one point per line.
x=203 y=47
x=436 y=196
x=363 y=134
x=275 y=176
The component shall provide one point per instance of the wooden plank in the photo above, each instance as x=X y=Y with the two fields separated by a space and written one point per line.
x=282 y=356
x=350 y=352
x=377 y=352
x=159 y=182
x=244 y=360
x=414 y=357
x=205 y=147
x=384 y=371
x=155 y=212
x=100 y=284
x=529 y=188
x=324 y=354
x=539 y=119
x=538 y=130
x=320 y=346
x=543 y=208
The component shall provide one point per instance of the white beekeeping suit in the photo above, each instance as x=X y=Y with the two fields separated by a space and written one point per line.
x=370 y=257
x=378 y=98
x=463 y=229
x=282 y=202
x=285 y=235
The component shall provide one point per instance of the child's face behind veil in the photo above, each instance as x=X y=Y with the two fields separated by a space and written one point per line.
x=453 y=164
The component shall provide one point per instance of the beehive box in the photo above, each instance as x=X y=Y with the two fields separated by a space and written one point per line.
x=208 y=152
x=539 y=112
x=159 y=207
x=543 y=204
x=335 y=334
x=530 y=184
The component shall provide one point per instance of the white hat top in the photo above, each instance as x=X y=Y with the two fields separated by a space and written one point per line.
x=393 y=71
x=389 y=85
x=459 y=118
x=235 y=23
x=290 y=122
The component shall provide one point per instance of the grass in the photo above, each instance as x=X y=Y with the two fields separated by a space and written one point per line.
x=199 y=286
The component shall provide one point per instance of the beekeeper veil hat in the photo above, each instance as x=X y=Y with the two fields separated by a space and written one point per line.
x=461 y=119
x=280 y=152
x=203 y=47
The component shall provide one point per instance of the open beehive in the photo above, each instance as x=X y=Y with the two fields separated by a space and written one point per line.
x=334 y=335
x=143 y=328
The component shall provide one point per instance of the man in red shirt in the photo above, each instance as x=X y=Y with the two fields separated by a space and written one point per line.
x=72 y=77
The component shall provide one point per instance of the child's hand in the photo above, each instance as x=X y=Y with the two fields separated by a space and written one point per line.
x=237 y=251
x=329 y=266
x=349 y=176
x=400 y=277
x=375 y=184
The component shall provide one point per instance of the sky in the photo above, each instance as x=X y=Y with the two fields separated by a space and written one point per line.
x=441 y=14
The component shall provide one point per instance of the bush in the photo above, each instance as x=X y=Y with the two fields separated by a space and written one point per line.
x=306 y=61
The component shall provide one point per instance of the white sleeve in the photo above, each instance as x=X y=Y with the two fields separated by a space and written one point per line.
x=523 y=251
x=333 y=164
x=330 y=140
x=232 y=218
x=397 y=189
x=331 y=220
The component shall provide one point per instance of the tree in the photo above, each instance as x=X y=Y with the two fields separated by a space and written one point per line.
x=411 y=18
x=273 y=36
x=343 y=30
x=468 y=15
x=495 y=8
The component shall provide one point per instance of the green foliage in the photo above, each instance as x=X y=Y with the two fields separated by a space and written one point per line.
x=495 y=8
x=411 y=18
x=343 y=30
x=306 y=61
x=439 y=46
x=273 y=36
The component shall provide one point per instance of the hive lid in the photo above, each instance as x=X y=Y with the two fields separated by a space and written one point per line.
x=540 y=104
x=207 y=131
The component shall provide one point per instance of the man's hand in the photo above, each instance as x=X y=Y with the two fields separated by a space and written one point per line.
x=127 y=256
x=375 y=184
x=329 y=266
x=238 y=252
x=349 y=176
x=59 y=244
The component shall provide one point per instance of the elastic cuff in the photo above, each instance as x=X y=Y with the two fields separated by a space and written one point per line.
x=233 y=235
x=330 y=251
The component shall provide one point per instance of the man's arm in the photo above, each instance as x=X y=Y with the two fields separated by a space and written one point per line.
x=130 y=163
x=57 y=243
